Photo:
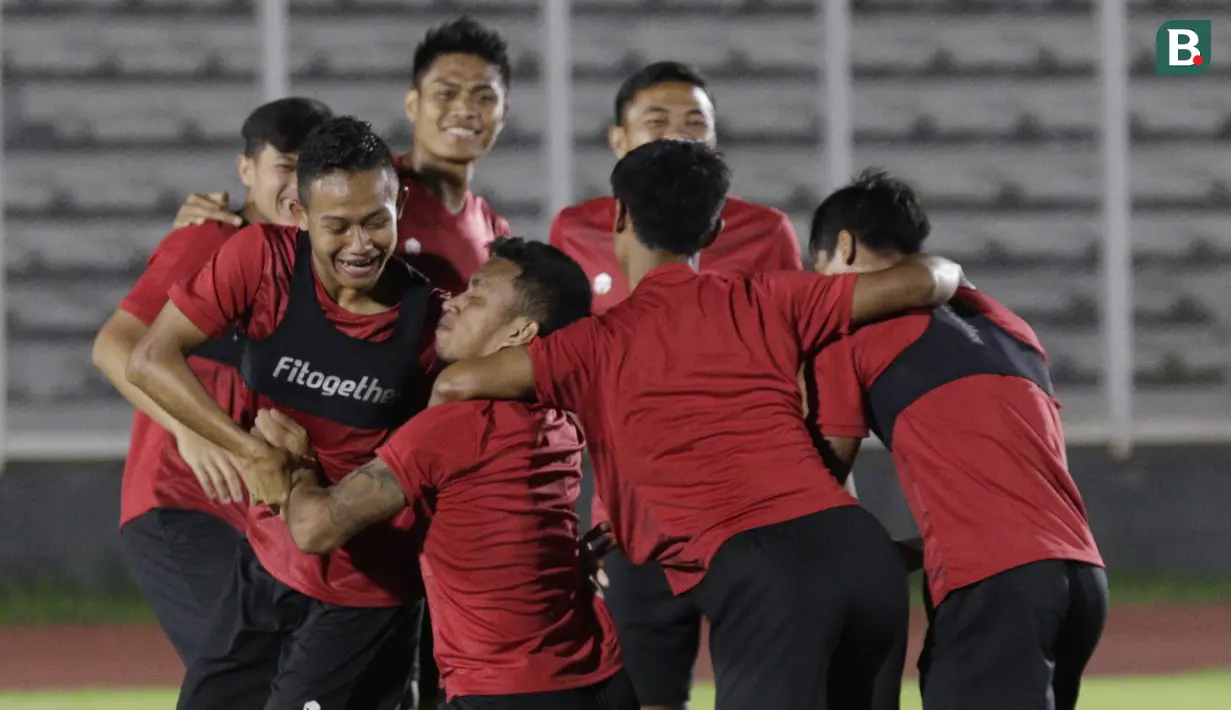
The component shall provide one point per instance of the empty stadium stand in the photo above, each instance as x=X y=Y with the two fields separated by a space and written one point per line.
x=117 y=109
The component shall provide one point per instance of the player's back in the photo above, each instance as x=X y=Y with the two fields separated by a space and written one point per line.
x=511 y=610
x=707 y=423
x=963 y=398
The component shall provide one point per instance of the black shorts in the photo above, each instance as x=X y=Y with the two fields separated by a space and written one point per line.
x=271 y=646
x=182 y=562
x=807 y=614
x=1017 y=641
x=615 y=693
x=659 y=632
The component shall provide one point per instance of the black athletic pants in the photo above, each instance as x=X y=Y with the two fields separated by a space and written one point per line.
x=426 y=671
x=270 y=647
x=1017 y=641
x=659 y=632
x=809 y=614
x=182 y=561
x=615 y=693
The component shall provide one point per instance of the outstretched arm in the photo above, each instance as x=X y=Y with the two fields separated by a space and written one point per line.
x=919 y=281
x=323 y=519
x=505 y=374
x=557 y=369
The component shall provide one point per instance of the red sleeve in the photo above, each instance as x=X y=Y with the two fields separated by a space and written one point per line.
x=178 y=256
x=839 y=391
x=223 y=291
x=787 y=255
x=819 y=306
x=565 y=363
x=434 y=444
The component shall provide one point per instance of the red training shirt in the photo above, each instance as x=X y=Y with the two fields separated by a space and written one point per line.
x=155 y=476
x=754 y=239
x=247 y=283
x=511 y=611
x=447 y=248
x=688 y=391
x=981 y=460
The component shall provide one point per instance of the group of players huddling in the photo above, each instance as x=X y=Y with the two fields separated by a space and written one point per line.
x=325 y=437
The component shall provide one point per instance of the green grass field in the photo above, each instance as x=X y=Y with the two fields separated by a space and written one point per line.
x=1201 y=691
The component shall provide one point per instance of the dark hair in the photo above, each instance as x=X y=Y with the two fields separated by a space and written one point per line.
x=341 y=144
x=282 y=125
x=553 y=289
x=880 y=212
x=674 y=191
x=463 y=36
x=653 y=75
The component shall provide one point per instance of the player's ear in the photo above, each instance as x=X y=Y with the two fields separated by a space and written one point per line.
x=846 y=247
x=709 y=239
x=246 y=167
x=300 y=214
x=618 y=140
x=524 y=331
x=621 y=218
x=411 y=103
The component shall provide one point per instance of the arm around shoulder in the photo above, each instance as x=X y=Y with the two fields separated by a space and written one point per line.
x=919 y=281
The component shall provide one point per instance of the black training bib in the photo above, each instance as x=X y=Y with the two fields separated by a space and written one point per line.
x=959 y=342
x=307 y=364
x=227 y=349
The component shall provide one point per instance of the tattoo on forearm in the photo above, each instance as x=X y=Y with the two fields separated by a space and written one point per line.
x=369 y=494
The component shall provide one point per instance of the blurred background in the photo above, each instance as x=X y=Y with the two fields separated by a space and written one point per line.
x=1075 y=185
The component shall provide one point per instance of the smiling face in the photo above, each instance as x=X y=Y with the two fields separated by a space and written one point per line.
x=458 y=107
x=270 y=180
x=671 y=109
x=351 y=219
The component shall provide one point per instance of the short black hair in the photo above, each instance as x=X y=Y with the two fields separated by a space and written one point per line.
x=653 y=75
x=282 y=125
x=553 y=289
x=880 y=212
x=463 y=36
x=341 y=144
x=674 y=191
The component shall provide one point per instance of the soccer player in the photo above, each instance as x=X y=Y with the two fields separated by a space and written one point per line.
x=962 y=397
x=182 y=505
x=659 y=632
x=688 y=394
x=332 y=326
x=518 y=624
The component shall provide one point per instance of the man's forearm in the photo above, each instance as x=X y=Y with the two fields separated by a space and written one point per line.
x=161 y=372
x=112 y=349
x=307 y=511
x=920 y=281
x=507 y=374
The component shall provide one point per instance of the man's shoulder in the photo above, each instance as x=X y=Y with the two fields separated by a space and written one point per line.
x=598 y=213
x=208 y=233
x=741 y=210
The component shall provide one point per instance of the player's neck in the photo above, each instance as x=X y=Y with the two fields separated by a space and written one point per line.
x=643 y=261
x=870 y=262
x=448 y=181
x=252 y=215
